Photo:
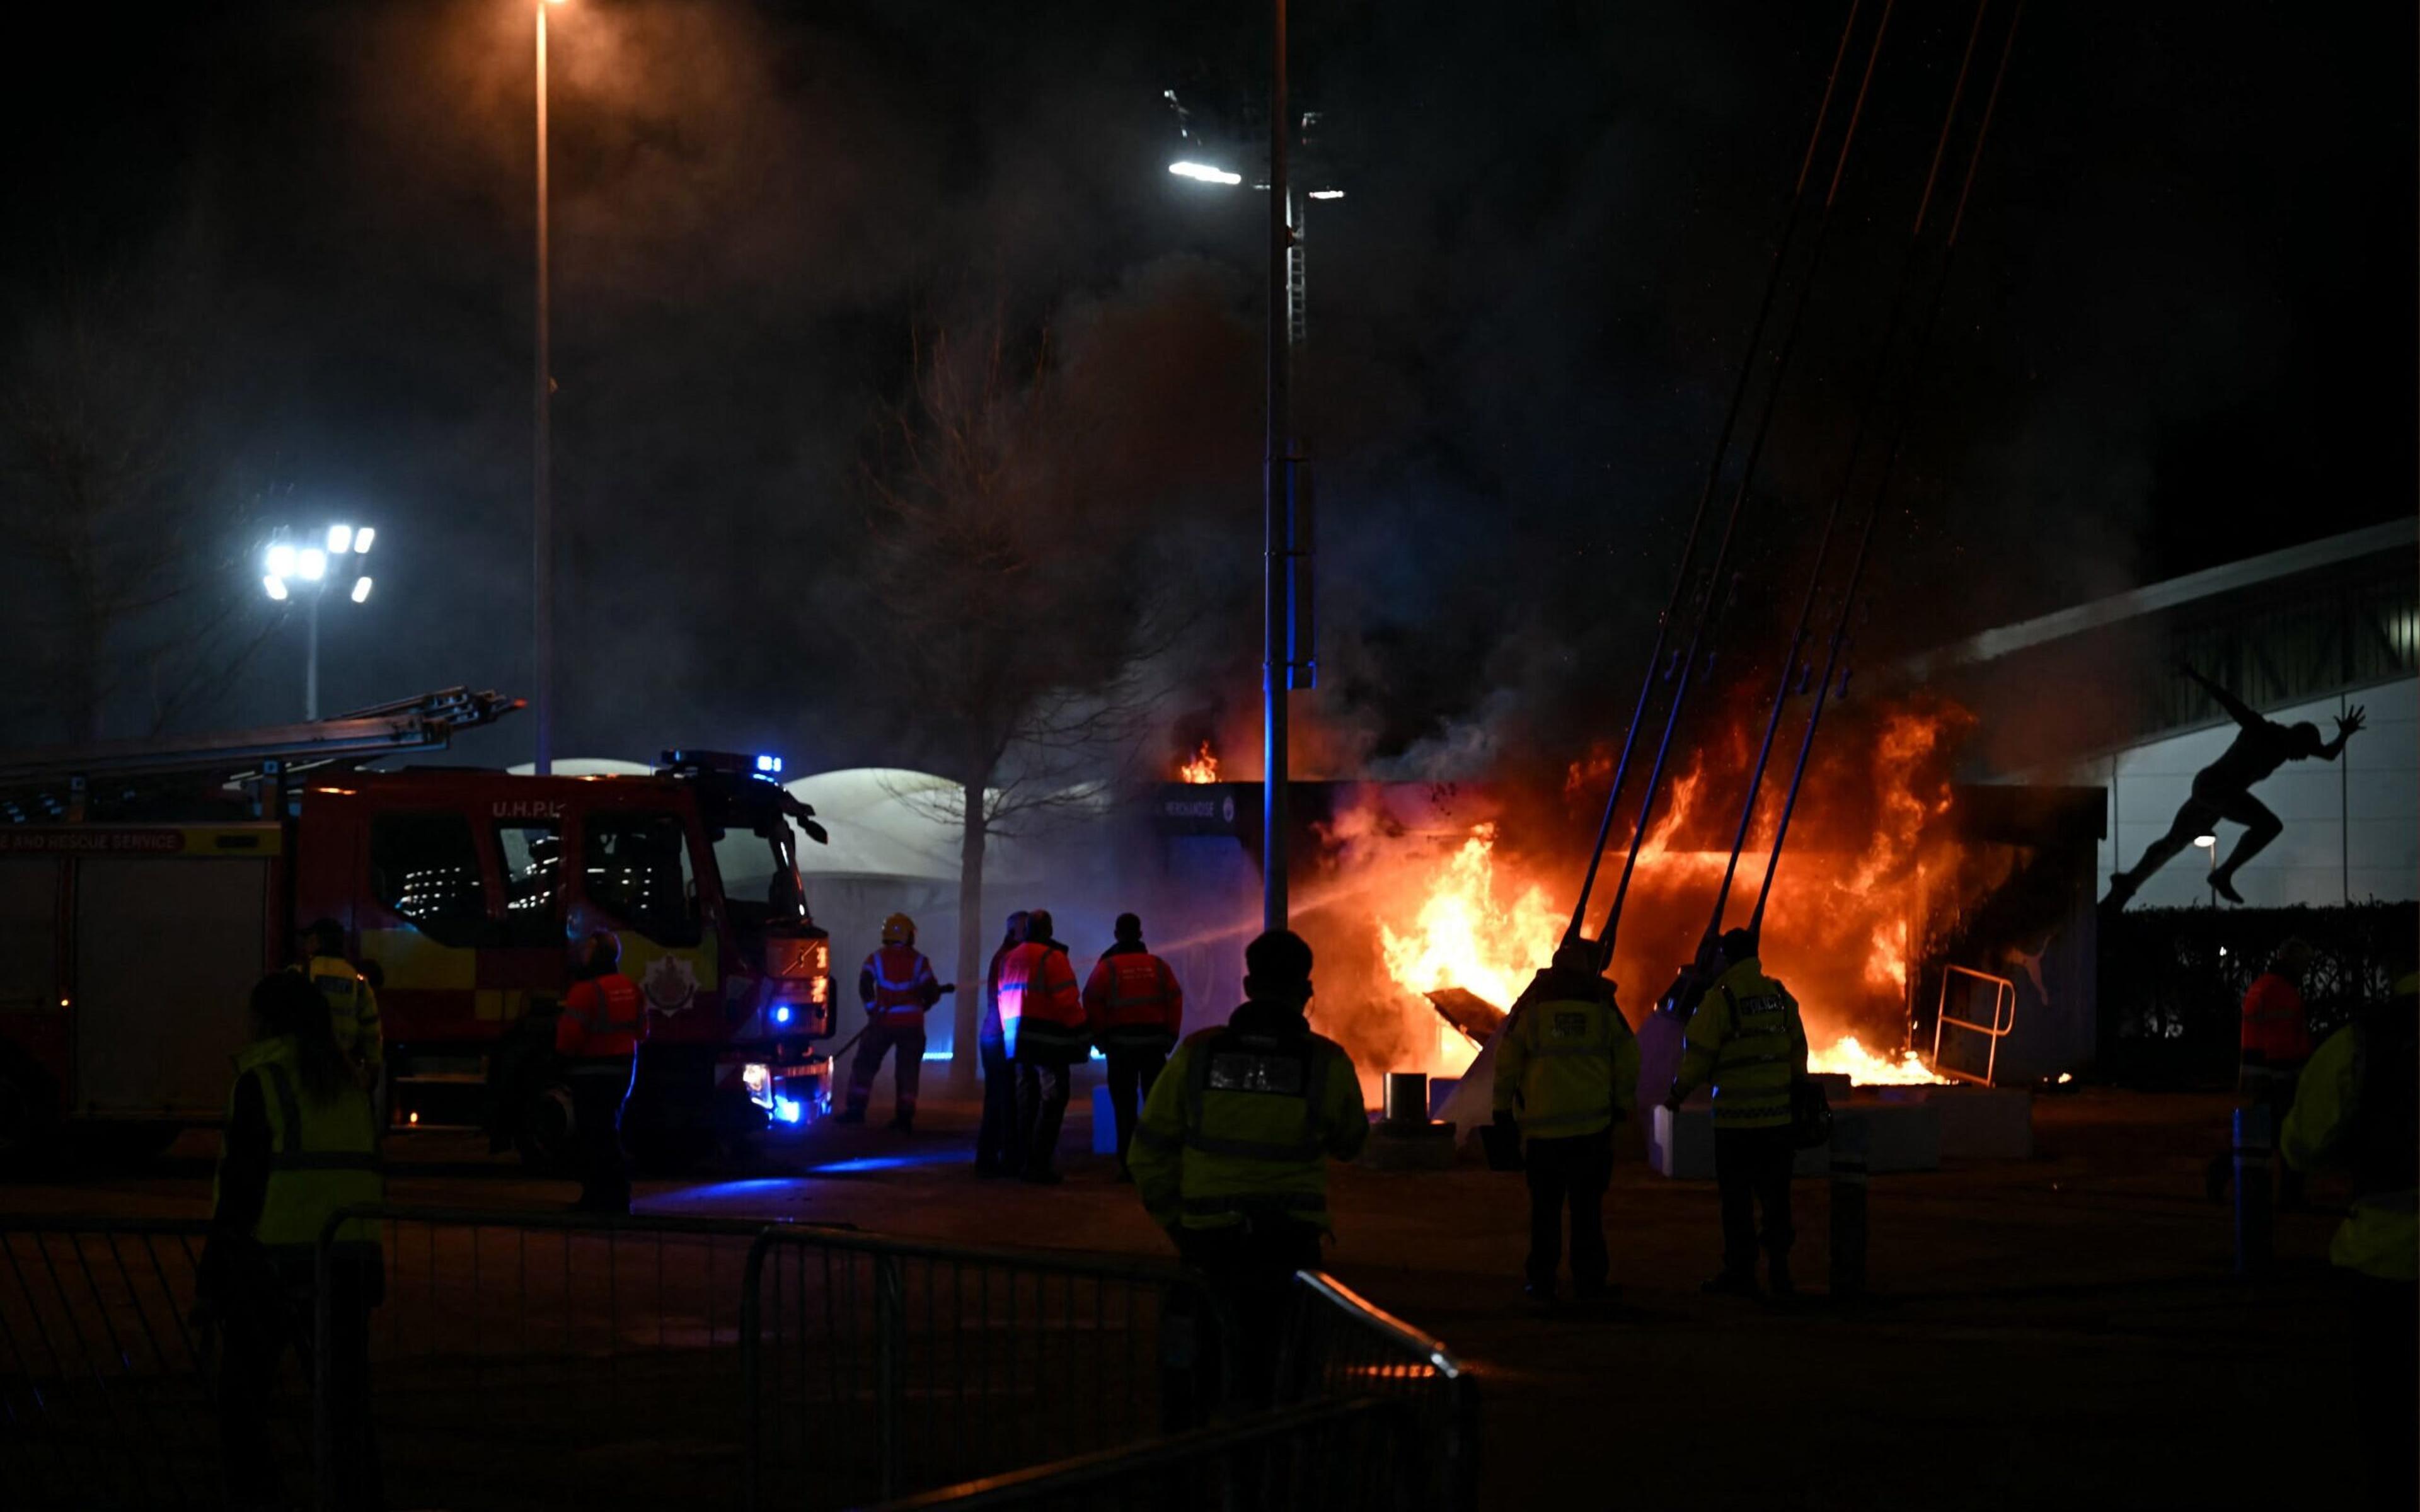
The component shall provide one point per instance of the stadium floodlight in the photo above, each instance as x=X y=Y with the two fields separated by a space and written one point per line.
x=340 y=540
x=361 y=590
x=1205 y=173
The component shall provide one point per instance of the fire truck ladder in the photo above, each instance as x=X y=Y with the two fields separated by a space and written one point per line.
x=54 y=785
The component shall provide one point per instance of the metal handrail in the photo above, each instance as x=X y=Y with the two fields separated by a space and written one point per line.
x=1449 y=1397
x=2004 y=1019
x=1038 y=1483
x=1377 y=1319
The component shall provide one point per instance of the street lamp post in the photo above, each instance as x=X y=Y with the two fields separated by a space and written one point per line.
x=1287 y=658
x=307 y=572
x=542 y=490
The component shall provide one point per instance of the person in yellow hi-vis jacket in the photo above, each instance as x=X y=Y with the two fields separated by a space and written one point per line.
x=1746 y=1038
x=1566 y=1071
x=2355 y=1108
x=299 y=1145
x=352 y=1003
x=1231 y=1157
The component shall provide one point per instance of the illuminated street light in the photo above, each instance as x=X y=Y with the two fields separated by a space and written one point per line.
x=2206 y=841
x=1328 y=193
x=306 y=573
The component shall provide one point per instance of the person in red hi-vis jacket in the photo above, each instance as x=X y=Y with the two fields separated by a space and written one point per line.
x=1138 y=1012
x=598 y=1036
x=1043 y=1027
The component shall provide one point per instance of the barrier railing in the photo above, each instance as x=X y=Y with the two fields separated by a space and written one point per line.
x=876 y=1366
x=1340 y=1347
x=2004 y=1018
x=105 y=1397
x=525 y=1359
x=1336 y=1455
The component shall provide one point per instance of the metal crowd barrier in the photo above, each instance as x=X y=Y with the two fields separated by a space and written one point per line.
x=1356 y=1453
x=524 y=1358
x=105 y=1397
x=1339 y=1347
x=876 y=1366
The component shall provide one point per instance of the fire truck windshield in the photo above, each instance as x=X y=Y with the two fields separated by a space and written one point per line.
x=759 y=877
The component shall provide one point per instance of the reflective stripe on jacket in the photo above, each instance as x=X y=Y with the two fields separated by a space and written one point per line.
x=1132 y=998
x=1242 y=1121
x=1566 y=1062
x=352 y=1009
x=1745 y=1037
x=898 y=985
x=603 y=1019
x=1041 y=1013
x=2275 y=1023
x=324 y=1154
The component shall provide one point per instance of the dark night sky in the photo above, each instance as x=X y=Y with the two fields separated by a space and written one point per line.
x=2180 y=328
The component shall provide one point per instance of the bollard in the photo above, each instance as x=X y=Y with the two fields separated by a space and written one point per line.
x=2253 y=1142
x=1849 y=1188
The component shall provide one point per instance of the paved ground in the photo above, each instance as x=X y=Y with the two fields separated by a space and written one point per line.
x=2061 y=1330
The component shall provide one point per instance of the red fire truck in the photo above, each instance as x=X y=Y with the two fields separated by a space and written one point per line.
x=145 y=887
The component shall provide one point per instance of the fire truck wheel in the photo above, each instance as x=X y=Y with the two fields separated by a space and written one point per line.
x=30 y=1105
x=543 y=1137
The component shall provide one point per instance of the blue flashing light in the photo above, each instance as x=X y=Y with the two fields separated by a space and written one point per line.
x=787 y=1110
x=770 y=765
x=782 y=1016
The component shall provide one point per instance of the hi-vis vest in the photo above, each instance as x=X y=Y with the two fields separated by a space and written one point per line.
x=352 y=1009
x=323 y=1155
x=1134 y=999
x=1566 y=1064
x=1041 y=1014
x=2275 y=1023
x=1241 y=1126
x=1746 y=1032
x=903 y=983
x=603 y=1019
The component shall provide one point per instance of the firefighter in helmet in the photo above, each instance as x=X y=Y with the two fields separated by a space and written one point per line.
x=897 y=987
x=598 y=1036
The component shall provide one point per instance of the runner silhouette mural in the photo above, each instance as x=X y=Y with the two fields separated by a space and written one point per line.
x=2223 y=790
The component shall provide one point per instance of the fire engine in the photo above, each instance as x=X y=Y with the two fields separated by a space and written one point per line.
x=145 y=887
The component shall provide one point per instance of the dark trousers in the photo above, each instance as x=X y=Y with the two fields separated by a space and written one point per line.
x=603 y=1164
x=1250 y=1269
x=2384 y=1318
x=881 y=1038
x=1041 y=1108
x=255 y=1335
x=999 y=1145
x=1133 y=1069
x=1569 y=1173
x=1752 y=1171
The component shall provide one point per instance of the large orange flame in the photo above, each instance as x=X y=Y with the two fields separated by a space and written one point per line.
x=1837 y=927
x=1203 y=767
x=1470 y=935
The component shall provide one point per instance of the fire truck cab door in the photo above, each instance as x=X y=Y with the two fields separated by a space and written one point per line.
x=641 y=875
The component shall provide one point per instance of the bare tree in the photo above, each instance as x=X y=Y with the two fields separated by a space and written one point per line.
x=128 y=544
x=1009 y=600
